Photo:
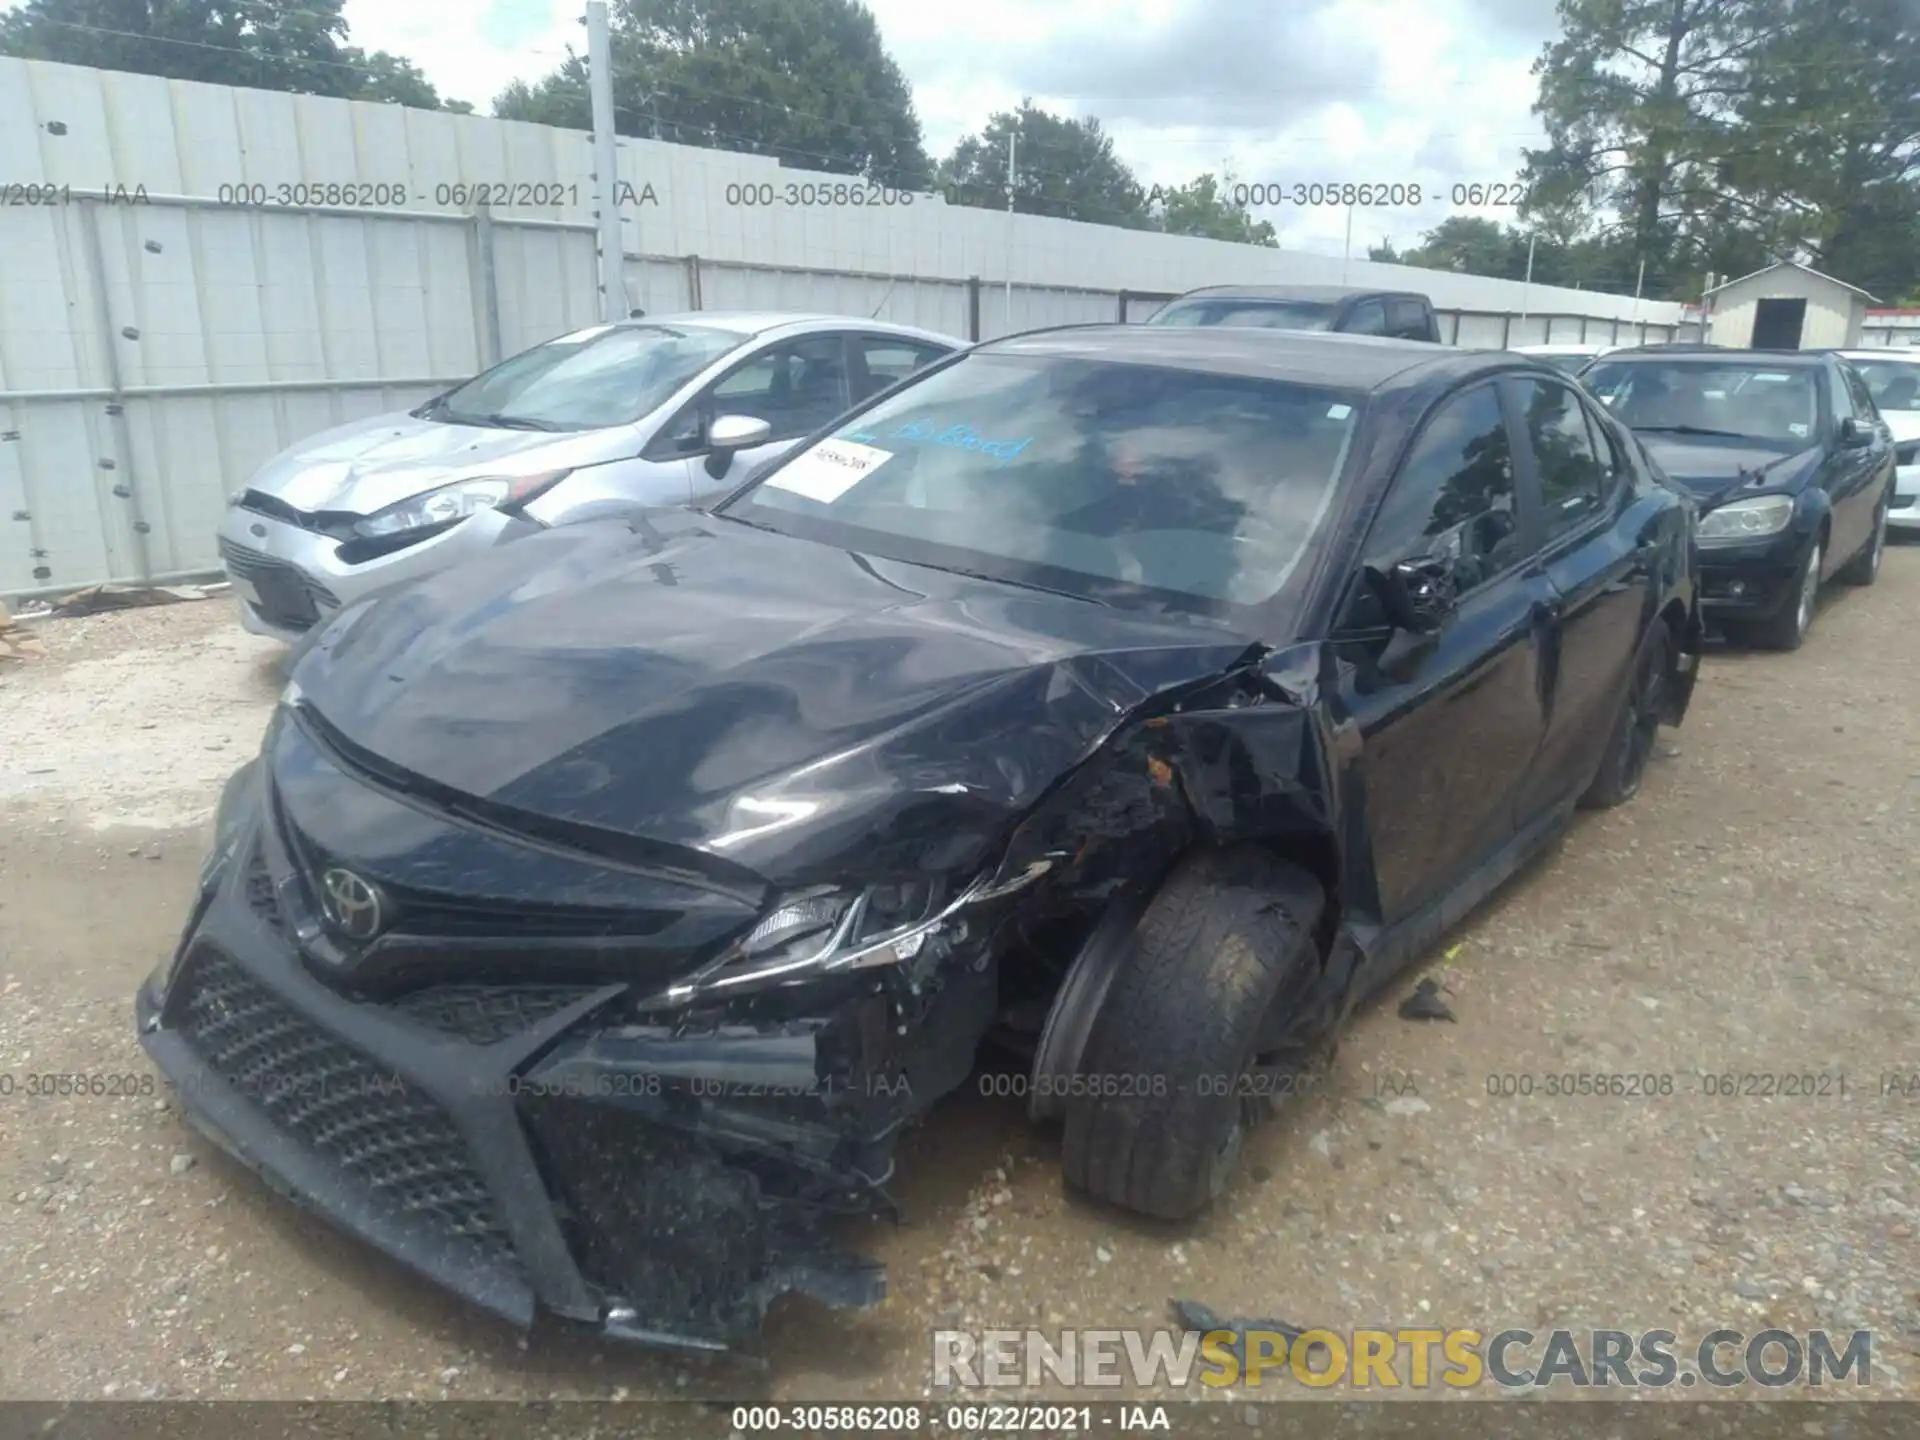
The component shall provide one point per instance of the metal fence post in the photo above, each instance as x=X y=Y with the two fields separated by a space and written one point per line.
x=127 y=487
x=488 y=285
x=693 y=283
x=1121 y=318
x=973 y=308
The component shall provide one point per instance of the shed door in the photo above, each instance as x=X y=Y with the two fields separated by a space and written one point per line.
x=1777 y=324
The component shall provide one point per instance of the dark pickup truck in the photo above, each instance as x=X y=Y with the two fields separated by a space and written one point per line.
x=1401 y=314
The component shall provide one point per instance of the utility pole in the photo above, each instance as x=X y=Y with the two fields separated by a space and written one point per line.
x=1526 y=285
x=1346 y=251
x=1013 y=141
x=606 y=165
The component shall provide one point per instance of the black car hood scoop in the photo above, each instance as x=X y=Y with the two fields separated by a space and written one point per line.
x=771 y=702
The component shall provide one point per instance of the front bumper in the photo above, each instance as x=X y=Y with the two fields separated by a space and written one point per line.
x=1753 y=580
x=287 y=578
x=1903 y=511
x=507 y=1142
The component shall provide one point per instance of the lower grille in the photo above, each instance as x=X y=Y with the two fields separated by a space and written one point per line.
x=288 y=595
x=482 y=1014
x=340 y=1103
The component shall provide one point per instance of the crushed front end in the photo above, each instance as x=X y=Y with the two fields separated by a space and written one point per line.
x=633 y=1092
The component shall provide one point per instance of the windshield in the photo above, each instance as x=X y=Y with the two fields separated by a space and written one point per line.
x=1895 y=383
x=1264 y=314
x=1100 y=479
x=1748 y=401
x=607 y=375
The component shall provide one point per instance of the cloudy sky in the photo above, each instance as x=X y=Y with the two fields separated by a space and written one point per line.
x=1433 y=92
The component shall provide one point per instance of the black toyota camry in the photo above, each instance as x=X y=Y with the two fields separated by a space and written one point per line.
x=598 y=913
x=1791 y=464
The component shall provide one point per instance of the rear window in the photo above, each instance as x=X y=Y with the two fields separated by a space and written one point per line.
x=1101 y=479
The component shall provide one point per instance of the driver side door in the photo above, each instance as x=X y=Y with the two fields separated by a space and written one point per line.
x=1445 y=743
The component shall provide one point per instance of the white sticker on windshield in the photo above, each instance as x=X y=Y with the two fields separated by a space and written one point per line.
x=1797 y=430
x=1339 y=412
x=829 y=469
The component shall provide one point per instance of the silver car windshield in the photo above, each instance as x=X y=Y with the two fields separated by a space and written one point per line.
x=1261 y=314
x=1077 y=475
x=592 y=379
x=1895 y=384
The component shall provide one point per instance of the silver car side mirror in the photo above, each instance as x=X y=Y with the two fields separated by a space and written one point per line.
x=731 y=433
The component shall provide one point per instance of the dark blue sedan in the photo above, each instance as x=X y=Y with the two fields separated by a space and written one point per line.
x=1791 y=465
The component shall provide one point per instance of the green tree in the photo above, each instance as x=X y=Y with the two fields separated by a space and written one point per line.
x=1828 y=145
x=294 y=45
x=1637 y=97
x=805 y=81
x=1063 y=167
x=1204 y=207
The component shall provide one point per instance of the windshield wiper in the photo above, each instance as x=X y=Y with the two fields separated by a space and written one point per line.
x=1022 y=584
x=510 y=422
x=1694 y=430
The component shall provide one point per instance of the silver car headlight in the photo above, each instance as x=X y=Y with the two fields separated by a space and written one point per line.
x=457 y=501
x=1747 y=519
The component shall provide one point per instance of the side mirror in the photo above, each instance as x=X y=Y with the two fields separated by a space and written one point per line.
x=1419 y=595
x=732 y=433
x=1854 y=435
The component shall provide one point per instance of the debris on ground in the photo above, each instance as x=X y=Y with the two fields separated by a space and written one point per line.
x=98 y=598
x=1194 y=1316
x=16 y=641
x=1425 y=1003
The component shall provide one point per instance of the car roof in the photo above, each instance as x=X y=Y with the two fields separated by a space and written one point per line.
x=761 y=322
x=1295 y=292
x=1910 y=357
x=1582 y=348
x=1306 y=357
x=1771 y=359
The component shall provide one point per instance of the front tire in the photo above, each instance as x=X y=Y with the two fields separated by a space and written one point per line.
x=1788 y=630
x=1228 y=935
x=1625 y=763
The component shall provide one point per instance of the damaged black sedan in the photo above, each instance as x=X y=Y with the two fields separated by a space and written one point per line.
x=599 y=912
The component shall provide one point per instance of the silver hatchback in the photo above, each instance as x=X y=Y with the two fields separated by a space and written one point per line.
x=658 y=411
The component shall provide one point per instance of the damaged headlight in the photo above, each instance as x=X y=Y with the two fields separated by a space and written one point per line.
x=1747 y=519
x=829 y=932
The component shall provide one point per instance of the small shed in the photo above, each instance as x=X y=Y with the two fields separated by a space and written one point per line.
x=1787 y=306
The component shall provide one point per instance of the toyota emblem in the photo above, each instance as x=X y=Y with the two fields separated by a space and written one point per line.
x=352 y=904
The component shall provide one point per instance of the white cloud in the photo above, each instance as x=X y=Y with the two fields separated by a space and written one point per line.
x=1396 y=92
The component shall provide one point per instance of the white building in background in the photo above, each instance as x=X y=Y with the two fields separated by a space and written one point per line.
x=1787 y=306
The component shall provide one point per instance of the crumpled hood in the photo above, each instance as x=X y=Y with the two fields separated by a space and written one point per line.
x=1706 y=467
x=779 y=704
x=367 y=465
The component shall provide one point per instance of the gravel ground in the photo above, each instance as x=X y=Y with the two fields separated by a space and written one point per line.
x=1749 y=914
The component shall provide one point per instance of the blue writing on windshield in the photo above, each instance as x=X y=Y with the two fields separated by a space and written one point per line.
x=953 y=437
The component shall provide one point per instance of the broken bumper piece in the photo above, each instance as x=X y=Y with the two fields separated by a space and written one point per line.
x=514 y=1145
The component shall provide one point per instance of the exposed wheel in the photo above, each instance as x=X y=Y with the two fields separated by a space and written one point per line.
x=1228 y=935
x=1625 y=763
x=1788 y=629
x=1864 y=568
